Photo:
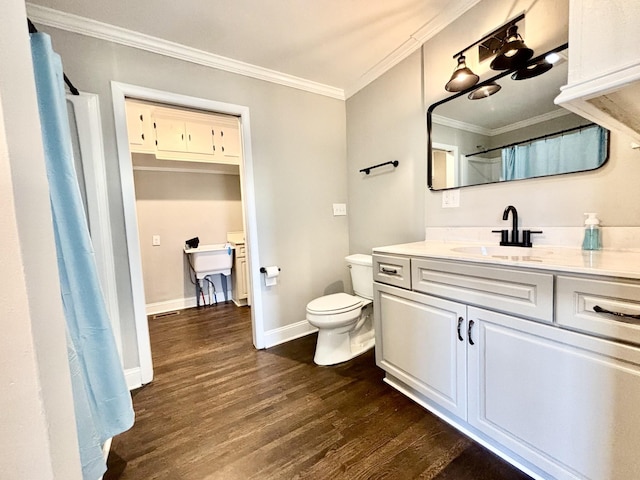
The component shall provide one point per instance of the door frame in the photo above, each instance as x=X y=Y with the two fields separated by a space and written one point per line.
x=119 y=92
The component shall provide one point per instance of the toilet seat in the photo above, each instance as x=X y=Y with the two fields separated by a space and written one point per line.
x=334 y=304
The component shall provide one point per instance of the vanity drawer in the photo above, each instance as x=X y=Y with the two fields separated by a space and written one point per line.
x=523 y=293
x=576 y=297
x=392 y=270
x=241 y=250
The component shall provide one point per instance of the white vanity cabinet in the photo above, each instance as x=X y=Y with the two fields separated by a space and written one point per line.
x=417 y=341
x=565 y=402
x=498 y=352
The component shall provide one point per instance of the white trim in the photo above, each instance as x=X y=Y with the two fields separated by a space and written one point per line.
x=131 y=232
x=182 y=170
x=111 y=33
x=459 y=125
x=287 y=333
x=87 y=113
x=575 y=97
x=119 y=92
x=414 y=42
x=488 y=132
x=133 y=377
x=92 y=28
x=180 y=304
x=527 y=122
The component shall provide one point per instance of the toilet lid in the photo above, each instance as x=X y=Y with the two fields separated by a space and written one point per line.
x=335 y=303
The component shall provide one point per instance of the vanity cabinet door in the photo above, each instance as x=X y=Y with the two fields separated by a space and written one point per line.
x=565 y=401
x=420 y=340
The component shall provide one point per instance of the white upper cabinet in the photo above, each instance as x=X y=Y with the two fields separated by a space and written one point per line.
x=604 y=64
x=140 y=127
x=175 y=134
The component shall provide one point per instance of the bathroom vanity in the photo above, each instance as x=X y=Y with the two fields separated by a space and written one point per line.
x=504 y=344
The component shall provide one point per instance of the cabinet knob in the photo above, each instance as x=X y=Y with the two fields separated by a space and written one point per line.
x=141 y=118
x=142 y=135
x=460 y=320
x=223 y=148
x=471 y=323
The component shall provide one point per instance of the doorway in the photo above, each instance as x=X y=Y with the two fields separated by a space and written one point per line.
x=121 y=91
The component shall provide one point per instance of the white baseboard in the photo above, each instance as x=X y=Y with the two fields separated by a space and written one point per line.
x=133 y=377
x=286 y=334
x=180 y=304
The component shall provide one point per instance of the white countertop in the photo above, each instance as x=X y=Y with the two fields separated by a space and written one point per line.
x=611 y=263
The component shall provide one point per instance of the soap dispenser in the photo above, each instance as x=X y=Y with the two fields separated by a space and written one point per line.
x=592 y=239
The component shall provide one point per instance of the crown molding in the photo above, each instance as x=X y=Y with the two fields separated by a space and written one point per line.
x=492 y=132
x=459 y=125
x=560 y=112
x=416 y=41
x=129 y=38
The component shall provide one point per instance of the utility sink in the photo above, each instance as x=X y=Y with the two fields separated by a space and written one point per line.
x=500 y=251
x=211 y=259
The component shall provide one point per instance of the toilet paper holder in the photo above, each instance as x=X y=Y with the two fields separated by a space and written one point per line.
x=264 y=269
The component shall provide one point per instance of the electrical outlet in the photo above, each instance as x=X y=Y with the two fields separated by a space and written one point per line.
x=451 y=198
x=155 y=240
x=339 y=209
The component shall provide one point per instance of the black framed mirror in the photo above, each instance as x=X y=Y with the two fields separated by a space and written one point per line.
x=514 y=134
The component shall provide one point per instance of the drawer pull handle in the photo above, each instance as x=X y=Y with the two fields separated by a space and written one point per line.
x=471 y=323
x=390 y=271
x=460 y=320
x=617 y=314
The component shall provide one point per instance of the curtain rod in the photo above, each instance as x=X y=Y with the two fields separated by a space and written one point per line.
x=74 y=90
x=542 y=137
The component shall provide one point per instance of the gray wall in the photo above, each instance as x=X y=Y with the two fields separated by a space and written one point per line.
x=299 y=153
x=385 y=121
x=388 y=116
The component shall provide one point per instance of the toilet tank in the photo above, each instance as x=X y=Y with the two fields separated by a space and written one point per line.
x=361 y=267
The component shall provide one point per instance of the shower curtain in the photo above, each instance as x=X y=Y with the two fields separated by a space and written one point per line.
x=102 y=401
x=581 y=150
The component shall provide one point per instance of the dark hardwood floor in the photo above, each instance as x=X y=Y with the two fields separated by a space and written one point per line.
x=219 y=409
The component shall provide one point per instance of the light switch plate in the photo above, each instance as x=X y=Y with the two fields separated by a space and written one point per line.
x=339 y=209
x=451 y=198
x=155 y=240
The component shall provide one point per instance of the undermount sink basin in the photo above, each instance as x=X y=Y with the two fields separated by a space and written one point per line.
x=502 y=251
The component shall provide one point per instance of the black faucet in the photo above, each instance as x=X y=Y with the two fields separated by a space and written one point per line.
x=514 y=228
x=515 y=235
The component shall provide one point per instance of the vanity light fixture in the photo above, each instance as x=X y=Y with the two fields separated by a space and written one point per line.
x=537 y=68
x=462 y=77
x=505 y=41
x=513 y=51
x=532 y=70
x=484 y=91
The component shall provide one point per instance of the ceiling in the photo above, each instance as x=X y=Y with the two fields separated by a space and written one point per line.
x=344 y=44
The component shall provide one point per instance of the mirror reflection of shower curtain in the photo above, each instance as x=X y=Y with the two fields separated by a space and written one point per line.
x=584 y=149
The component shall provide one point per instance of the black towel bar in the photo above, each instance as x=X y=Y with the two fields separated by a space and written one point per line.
x=367 y=170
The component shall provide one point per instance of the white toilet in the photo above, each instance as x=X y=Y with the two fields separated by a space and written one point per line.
x=345 y=322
